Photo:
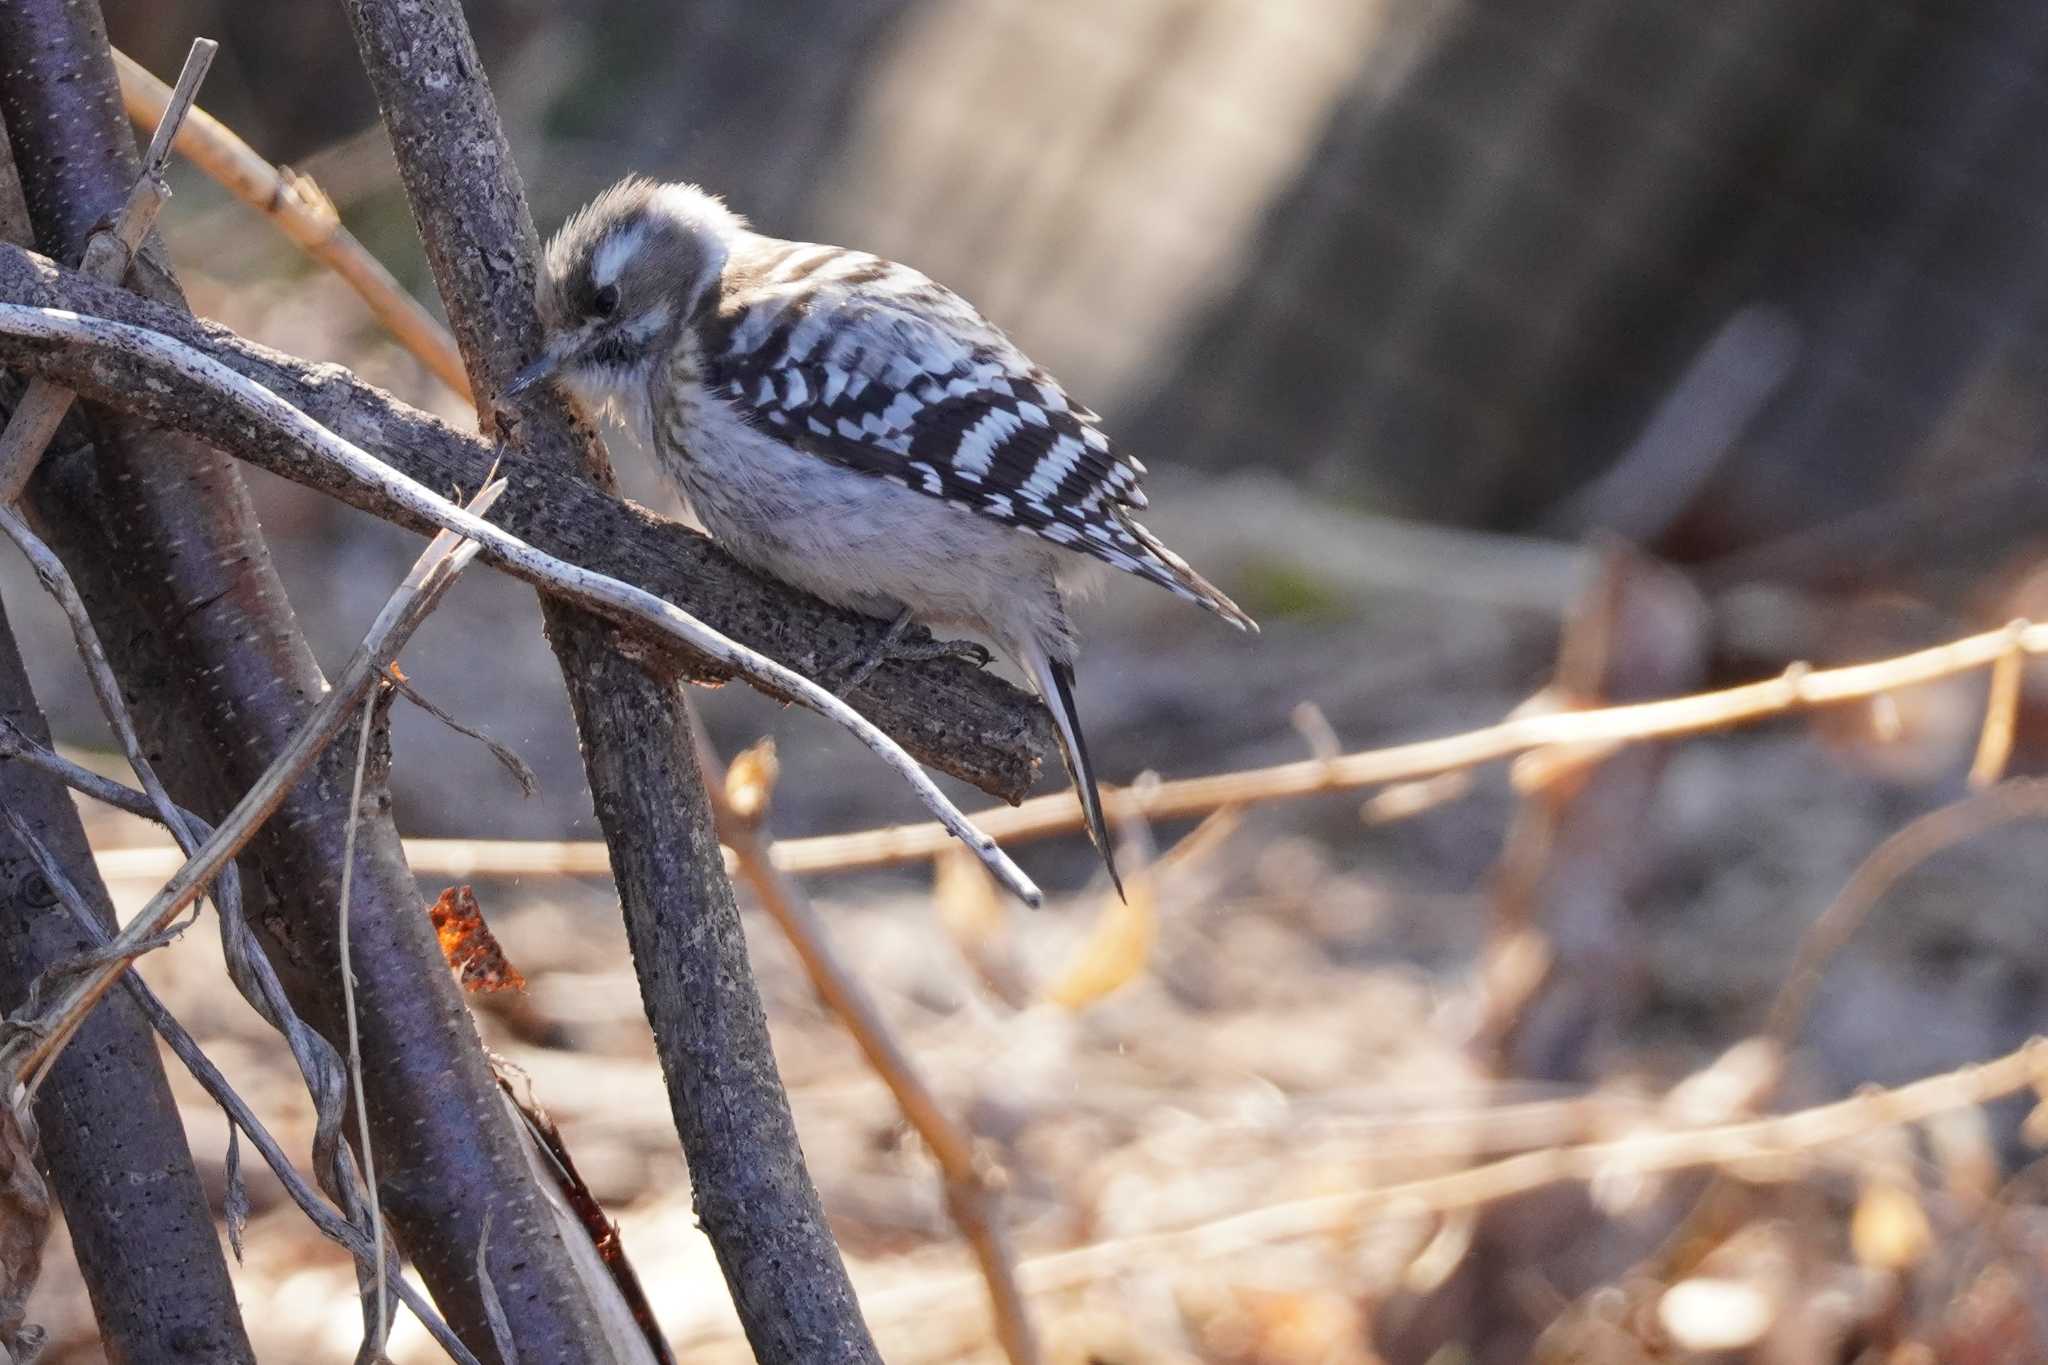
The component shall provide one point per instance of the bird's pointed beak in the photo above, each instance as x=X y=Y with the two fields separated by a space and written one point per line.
x=541 y=369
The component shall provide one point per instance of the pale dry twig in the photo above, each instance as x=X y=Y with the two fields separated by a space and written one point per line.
x=303 y=214
x=108 y=254
x=1799 y=688
x=380 y=1326
x=971 y=1197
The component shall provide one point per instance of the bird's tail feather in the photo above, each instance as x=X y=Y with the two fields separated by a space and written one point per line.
x=1055 y=682
x=1174 y=574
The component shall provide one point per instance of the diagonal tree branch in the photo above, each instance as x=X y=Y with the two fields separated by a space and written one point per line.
x=177 y=365
x=959 y=719
x=752 y=1192
x=160 y=534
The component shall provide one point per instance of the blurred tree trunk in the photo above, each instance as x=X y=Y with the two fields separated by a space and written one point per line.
x=1499 y=262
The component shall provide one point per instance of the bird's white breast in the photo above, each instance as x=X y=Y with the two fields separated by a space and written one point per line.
x=851 y=538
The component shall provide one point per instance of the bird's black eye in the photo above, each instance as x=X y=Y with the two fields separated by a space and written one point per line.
x=605 y=301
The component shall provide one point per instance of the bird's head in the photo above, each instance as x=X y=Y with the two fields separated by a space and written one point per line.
x=620 y=278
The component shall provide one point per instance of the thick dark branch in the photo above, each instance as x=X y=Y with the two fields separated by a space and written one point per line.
x=162 y=538
x=958 y=719
x=112 y=1138
x=747 y=1175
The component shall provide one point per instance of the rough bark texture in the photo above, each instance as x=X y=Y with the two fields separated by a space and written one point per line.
x=161 y=536
x=957 y=718
x=113 y=1142
x=752 y=1192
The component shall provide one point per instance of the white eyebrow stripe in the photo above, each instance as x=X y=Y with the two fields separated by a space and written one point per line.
x=618 y=249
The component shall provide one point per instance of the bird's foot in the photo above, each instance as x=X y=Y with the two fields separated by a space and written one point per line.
x=892 y=645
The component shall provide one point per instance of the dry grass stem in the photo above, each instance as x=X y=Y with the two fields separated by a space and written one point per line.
x=298 y=209
x=1900 y=853
x=1799 y=688
x=31 y=1047
x=604 y=595
x=381 y=1324
x=2001 y=715
x=107 y=256
x=971 y=1197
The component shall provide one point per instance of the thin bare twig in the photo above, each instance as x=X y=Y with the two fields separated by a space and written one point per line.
x=511 y=762
x=971 y=1197
x=379 y=1329
x=2001 y=716
x=604 y=595
x=1799 y=689
x=298 y=209
x=1902 y=851
x=319 y=1064
x=323 y=1215
x=448 y=554
x=107 y=256
x=501 y=1327
x=51 y=573
x=56 y=579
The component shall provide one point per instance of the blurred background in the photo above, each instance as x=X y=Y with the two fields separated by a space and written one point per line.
x=1420 y=312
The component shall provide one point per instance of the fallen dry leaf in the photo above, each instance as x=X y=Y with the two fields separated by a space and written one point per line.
x=750 y=780
x=466 y=941
x=1116 y=949
x=1888 y=1230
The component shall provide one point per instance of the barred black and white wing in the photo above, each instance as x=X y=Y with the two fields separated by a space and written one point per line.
x=873 y=366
